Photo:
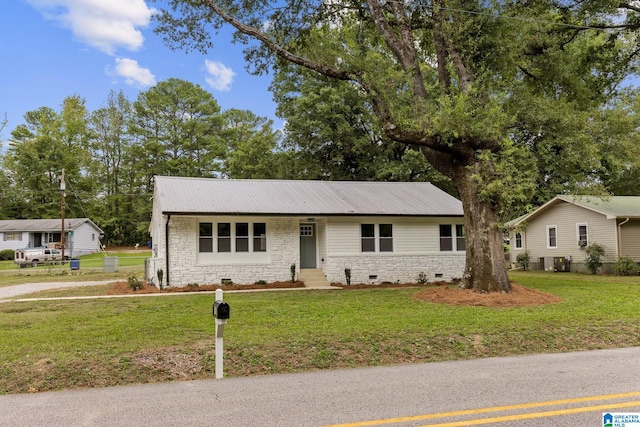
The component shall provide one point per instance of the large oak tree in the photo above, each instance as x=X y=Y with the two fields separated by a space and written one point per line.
x=470 y=83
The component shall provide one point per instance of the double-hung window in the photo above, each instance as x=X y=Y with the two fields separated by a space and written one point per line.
x=583 y=235
x=518 y=241
x=552 y=237
x=205 y=237
x=224 y=237
x=386 y=237
x=259 y=237
x=450 y=241
x=368 y=237
x=242 y=237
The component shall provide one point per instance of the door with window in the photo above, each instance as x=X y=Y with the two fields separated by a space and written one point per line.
x=307 y=246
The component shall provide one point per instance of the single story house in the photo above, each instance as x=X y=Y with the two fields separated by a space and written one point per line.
x=558 y=232
x=208 y=231
x=82 y=236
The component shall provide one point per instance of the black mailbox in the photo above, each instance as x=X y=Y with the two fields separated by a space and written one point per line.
x=220 y=310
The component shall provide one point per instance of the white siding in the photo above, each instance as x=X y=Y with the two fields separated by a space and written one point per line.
x=85 y=240
x=23 y=242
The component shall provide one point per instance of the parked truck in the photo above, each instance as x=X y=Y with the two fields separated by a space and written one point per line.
x=34 y=256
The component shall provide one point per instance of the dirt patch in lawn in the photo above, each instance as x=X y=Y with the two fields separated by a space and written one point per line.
x=519 y=296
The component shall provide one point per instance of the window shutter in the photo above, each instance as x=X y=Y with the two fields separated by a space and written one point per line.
x=4 y=236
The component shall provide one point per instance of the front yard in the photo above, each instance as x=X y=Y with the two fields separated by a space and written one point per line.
x=56 y=345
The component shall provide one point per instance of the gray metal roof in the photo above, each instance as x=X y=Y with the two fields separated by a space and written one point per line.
x=179 y=195
x=43 y=225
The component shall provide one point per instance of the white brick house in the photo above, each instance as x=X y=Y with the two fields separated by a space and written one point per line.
x=207 y=230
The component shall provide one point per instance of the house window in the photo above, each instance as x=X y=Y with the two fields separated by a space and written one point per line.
x=552 y=236
x=583 y=235
x=205 y=237
x=449 y=242
x=93 y=237
x=446 y=237
x=259 y=237
x=386 y=237
x=368 y=237
x=224 y=237
x=518 y=241
x=460 y=242
x=13 y=235
x=242 y=237
x=306 y=230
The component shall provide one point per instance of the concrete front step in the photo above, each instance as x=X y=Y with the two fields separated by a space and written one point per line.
x=313 y=278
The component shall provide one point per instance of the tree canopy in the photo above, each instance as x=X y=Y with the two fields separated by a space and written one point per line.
x=476 y=86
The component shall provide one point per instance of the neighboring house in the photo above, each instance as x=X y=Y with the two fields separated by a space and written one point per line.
x=557 y=233
x=207 y=230
x=82 y=236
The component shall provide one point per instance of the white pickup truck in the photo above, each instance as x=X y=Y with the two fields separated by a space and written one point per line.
x=34 y=256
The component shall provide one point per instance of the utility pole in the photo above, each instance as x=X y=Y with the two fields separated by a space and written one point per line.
x=62 y=194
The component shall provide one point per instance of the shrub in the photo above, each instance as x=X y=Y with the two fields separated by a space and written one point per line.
x=422 y=278
x=261 y=282
x=292 y=269
x=593 y=261
x=134 y=282
x=524 y=259
x=626 y=266
x=347 y=275
x=7 y=255
x=226 y=282
x=160 y=276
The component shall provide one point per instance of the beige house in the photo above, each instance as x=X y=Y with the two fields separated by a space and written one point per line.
x=557 y=233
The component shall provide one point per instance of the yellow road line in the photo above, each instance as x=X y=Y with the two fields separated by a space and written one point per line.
x=490 y=409
x=537 y=415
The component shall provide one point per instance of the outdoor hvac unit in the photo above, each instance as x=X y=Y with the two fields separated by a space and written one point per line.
x=561 y=264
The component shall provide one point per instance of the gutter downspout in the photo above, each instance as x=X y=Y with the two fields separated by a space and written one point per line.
x=619 y=237
x=166 y=249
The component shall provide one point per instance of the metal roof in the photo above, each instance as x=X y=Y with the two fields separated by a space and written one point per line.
x=610 y=206
x=44 y=225
x=180 y=195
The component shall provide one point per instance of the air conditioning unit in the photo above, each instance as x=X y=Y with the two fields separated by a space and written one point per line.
x=582 y=243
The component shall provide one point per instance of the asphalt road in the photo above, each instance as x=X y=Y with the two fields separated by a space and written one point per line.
x=569 y=389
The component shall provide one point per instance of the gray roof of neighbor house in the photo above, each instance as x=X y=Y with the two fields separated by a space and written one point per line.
x=610 y=206
x=179 y=195
x=44 y=225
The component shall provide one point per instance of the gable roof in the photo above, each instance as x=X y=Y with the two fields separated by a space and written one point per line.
x=179 y=195
x=610 y=206
x=44 y=225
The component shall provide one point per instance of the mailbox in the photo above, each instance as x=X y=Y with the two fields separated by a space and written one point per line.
x=220 y=310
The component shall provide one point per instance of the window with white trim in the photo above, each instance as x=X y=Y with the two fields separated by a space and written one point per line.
x=552 y=237
x=382 y=241
x=518 y=241
x=205 y=237
x=450 y=241
x=232 y=237
x=582 y=233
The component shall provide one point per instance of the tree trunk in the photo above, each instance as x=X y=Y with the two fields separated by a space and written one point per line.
x=485 y=269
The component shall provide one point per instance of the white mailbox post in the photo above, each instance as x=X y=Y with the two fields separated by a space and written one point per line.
x=221 y=314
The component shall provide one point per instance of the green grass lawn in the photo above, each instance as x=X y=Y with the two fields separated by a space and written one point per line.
x=87 y=343
x=91 y=268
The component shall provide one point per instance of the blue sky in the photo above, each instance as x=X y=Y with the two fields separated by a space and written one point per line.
x=52 y=49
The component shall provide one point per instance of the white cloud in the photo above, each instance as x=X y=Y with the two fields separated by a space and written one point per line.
x=133 y=73
x=218 y=76
x=103 y=24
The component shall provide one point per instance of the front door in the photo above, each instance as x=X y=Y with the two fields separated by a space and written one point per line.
x=307 y=246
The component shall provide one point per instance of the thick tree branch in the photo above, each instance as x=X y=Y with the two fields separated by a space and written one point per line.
x=283 y=53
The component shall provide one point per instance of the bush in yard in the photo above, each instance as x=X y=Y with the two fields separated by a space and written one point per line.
x=626 y=266
x=7 y=255
x=134 y=282
x=593 y=261
x=524 y=259
x=422 y=278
